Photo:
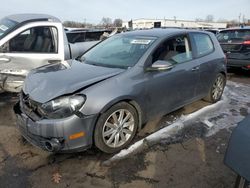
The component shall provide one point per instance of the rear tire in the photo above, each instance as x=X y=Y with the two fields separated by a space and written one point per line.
x=116 y=128
x=216 y=91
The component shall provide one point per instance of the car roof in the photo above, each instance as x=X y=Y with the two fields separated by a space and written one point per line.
x=159 y=32
x=86 y=30
x=237 y=28
x=211 y=29
x=20 y=18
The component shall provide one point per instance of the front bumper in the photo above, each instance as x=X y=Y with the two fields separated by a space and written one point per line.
x=40 y=132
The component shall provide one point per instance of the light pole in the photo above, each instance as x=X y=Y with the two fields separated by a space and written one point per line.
x=85 y=22
x=239 y=18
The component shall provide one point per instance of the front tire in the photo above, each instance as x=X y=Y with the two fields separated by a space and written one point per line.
x=216 y=91
x=116 y=128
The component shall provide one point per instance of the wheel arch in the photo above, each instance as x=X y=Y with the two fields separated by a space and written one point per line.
x=223 y=73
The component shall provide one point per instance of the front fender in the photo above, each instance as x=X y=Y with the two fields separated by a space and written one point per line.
x=103 y=95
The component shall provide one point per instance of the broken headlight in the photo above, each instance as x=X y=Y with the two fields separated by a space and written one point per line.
x=62 y=107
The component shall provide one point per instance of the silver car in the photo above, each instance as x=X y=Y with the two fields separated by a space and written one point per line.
x=105 y=97
x=28 y=41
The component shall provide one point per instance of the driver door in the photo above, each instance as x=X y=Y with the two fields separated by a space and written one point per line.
x=172 y=89
x=32 y=47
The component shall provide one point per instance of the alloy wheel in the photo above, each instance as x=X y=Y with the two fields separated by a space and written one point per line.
x=218 y=88
x=118 y=128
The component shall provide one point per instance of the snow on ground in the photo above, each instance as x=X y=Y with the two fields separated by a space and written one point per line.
x=224 y=114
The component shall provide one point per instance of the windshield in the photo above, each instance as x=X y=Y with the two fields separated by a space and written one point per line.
x=5 y=26
x=233 y=35
x=118 y=51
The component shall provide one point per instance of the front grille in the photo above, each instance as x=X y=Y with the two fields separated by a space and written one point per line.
x=231 y=47
x=30 y=107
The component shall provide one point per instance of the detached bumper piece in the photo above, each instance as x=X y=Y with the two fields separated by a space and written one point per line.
x=238 y=152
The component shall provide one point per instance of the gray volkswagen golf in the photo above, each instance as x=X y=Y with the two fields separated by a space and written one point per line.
x=105 y=96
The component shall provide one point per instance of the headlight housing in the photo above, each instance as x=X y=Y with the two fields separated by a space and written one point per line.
x=62 y=107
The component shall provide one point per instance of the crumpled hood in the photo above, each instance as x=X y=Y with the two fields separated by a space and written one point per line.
x=51 y=81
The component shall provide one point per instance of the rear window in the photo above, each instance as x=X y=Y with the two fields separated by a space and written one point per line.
x=84 y=36
x=233 y=35
x=93 y=36
x=76 y=36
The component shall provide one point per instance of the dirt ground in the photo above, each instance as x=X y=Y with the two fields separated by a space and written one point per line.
x=189 y=159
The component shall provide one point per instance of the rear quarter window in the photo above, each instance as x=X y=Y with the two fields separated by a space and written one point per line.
x=203 y=43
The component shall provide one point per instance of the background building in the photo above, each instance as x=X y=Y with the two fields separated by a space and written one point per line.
x=151 y=23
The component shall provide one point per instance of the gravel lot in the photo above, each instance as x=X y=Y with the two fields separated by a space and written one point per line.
x=192 y=157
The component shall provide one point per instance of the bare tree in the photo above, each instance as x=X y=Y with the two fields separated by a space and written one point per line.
x=222 y=20
x=117 y=22
x=76 y=24
x=199 y=19
x=106 y=22
x=209 y=18
x=232 y=23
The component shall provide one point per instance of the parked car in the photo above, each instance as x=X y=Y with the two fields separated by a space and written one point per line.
x=238 y=153
x=86 y=35
x=104 y=98
x=235 y=43
x=28 y=41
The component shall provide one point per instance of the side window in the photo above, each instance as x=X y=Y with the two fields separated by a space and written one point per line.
x=175 y=50
x=203 y=43
x=34 y=40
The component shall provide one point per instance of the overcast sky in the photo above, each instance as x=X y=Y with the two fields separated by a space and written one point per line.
x=94 y=10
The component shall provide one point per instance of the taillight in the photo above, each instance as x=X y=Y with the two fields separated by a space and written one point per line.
x=246 y=42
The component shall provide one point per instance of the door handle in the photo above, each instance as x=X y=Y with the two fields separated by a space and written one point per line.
x=195 y=68
x=52 y=61
x=4 y=59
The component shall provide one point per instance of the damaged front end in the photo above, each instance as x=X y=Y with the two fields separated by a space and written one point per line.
x=12 y=80
x=53 y=135
x=26 y=113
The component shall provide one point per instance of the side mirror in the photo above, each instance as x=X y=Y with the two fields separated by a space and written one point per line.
x=160 y=65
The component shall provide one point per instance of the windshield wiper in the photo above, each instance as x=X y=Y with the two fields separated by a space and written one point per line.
x=81 y=59
x=109 y=66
